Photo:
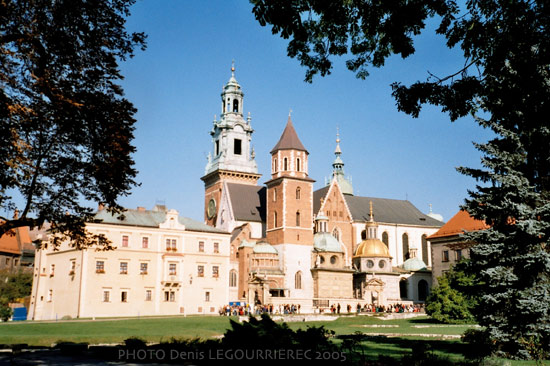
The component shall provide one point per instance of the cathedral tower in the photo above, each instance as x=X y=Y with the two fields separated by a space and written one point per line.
x=232 y=159
x=289 y=192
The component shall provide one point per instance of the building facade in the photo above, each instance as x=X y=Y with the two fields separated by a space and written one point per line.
x=280 y=230
x=448 y=246
x=163 y=264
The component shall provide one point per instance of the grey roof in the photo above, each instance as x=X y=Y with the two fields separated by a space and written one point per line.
x=289 y=139
x=386 y=210
x=145 y=218
x=247 y=201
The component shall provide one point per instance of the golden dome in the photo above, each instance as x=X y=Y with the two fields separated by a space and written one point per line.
x=372 y=248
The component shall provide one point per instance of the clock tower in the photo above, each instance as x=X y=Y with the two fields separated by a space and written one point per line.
x=232 y=158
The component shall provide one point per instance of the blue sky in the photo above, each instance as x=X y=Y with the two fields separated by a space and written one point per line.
x=176 y=83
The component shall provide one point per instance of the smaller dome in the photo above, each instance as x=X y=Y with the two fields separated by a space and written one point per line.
x=414 y=264
x=345 y=186
x=372 y=248
x=263 y=247
x=325 y=242
x=246 y=243
x=436 y=216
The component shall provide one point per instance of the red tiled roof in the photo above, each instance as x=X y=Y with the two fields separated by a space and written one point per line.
x=458 y=224
x=16 y=240
x=289 y=139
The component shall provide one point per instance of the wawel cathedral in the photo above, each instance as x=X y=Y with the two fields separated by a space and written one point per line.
x=291 y=244
x=278 y=242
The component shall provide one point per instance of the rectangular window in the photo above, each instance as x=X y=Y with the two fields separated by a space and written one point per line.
x=125 y=241
x=123 y=267
x=145 y=242
x=215 y=271
x=8 y=261
x=106 y=296
x=458 y=255
x=143 y=268
x=217 y=148
x=172 y=269
x=124 y=296
x=100 y=267
x=216 y=247
x=73 y=268
x=237 y=147
x=52 y=270
x=200 y=271
x=169 y=296
x=201 y=246
x=50 y=295
x=15 y=261
x=171 y=244
x=207 y=296
x=148 y=295
x=445 y=256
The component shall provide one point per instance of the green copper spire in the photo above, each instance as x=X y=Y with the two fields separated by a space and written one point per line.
x=338 y=168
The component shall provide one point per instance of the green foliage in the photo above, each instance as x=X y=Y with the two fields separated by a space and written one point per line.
x=505 y=86
x=14 y=285
x=65 y=127
x=447 y=304
x=5 y=312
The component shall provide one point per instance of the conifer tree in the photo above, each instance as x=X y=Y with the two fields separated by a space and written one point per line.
x=505 y=86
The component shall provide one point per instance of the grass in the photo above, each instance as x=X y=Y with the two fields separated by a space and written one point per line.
x=406 y=333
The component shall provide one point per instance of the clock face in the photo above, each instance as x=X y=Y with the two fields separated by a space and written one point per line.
x=211 y=208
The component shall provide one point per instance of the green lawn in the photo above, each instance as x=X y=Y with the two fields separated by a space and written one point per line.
x=405 y=333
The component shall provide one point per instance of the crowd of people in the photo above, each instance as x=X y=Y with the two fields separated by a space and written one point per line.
x=240 y=309
x=270 y=309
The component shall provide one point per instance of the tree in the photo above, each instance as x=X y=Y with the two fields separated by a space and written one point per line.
x=13 y=286
x=66 y=129
x=505 y=86
x=447 y=303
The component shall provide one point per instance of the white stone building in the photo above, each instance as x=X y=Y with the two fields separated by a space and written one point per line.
x=163 y=264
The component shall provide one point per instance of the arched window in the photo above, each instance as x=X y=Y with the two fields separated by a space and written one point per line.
x=403 y=292
x=385 y=239
x=275 y=219
x=232 y=278
x=297 y=218
x=422 y=290
x=285 y=164
x=425 y=253
x=235 y=105
x=364 y=235
x=298 y=193
x=274 y=194
x=298 y=280
x=405 y=239
x=228 y=104
x=336 y=233
x=298 y=164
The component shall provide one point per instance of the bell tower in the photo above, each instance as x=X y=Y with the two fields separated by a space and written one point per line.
x=289 y=192
x=232 y=158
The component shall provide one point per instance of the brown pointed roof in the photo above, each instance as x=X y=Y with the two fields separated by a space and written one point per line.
x=458 y=224
x=289 y=139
